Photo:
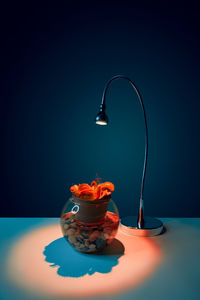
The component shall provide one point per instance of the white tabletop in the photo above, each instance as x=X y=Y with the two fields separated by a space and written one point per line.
x=37 y=263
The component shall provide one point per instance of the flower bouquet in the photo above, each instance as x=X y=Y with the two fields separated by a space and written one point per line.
x=92 y=200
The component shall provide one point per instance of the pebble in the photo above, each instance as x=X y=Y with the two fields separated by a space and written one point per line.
x=73 y=225
x=72 y=239
x=77 y=232
x=67 y=222
x=77 y=244
x=85 y=233
x=87 y=243
x=92 y=246
x=66 y=226
x=70 y=231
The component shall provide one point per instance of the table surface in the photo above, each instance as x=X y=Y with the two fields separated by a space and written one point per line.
x=37 y=263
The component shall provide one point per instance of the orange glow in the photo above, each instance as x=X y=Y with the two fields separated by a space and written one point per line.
x=27 y=268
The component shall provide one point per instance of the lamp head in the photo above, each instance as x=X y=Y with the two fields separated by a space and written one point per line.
x=101 y=117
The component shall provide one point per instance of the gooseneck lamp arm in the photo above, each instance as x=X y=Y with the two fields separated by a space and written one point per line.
x=140 y=221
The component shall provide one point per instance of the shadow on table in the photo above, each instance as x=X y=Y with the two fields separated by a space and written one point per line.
x=71 y=263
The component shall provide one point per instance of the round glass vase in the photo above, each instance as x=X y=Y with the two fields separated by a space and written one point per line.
x=89 y=226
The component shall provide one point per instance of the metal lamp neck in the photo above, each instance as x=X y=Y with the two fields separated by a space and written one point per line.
x=103 y=105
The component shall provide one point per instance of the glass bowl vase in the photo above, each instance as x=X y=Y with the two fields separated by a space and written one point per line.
x=88 y=226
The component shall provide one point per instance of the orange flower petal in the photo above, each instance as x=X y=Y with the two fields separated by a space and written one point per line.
x=98 y=191
x=84 y=186
x=104 y=193
x=93 y=183
x=88 y=195
x=108 y=185
x=74 y=188
x=86 y=190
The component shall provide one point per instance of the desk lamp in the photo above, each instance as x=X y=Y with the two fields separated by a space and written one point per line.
x=133 y=225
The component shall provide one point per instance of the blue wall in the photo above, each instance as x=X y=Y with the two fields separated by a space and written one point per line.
x=56 y=61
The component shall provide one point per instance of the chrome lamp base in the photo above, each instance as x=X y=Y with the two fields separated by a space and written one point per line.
x=151 y=226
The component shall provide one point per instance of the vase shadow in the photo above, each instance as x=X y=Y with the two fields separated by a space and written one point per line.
x=72 y=263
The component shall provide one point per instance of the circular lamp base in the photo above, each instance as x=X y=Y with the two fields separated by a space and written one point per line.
x=151 y=226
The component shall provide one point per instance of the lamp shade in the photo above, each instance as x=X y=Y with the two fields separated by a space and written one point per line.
x=101 y=118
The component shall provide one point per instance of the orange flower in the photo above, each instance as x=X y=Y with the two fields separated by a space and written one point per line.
x=108 y=185
x=93 y=191
x=104 y=193
x=83 y=186
x=88 y=195
x=93 y=184
x=74 y=189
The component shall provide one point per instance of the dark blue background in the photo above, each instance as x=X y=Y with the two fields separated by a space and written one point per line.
x=55 y=61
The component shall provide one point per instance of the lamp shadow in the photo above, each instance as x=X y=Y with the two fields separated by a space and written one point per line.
x=72 y=263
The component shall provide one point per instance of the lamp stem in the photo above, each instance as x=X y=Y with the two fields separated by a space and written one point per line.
x=140 y=221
